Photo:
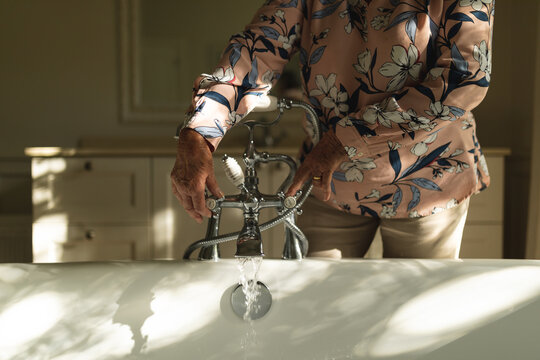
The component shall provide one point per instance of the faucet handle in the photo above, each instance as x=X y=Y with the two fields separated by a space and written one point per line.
x=289 y=202
x=266 y=103
x=211 y=203
x=233 y=171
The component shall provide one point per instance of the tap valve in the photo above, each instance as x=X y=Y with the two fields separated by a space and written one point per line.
x=249 y=242
x=289 y=202
x=252 y=201
x=211 y=203
x=233 y=171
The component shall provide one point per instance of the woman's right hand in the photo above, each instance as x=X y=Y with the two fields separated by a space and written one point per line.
x=193 y=171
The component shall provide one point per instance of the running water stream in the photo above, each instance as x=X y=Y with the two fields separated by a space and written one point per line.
x=249 y=269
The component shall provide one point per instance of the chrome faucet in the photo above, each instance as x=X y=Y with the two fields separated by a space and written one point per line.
x=249 y=242
x=251 y=200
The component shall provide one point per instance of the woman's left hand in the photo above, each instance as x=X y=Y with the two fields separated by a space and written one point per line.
x=320 y=164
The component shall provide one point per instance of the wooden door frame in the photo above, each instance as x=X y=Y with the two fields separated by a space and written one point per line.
x=532 y=250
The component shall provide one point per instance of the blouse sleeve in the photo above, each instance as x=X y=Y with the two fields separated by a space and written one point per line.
x=250 y=65
x=457 y=82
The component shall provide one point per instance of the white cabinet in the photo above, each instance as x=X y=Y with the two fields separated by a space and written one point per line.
x=63 y=241
x=90 y=209
x=97 y=190
x=97 y=209
x=102 y=208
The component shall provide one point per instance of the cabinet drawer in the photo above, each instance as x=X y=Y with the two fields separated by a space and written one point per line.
x=56 y=242
x=488 y=205
x=482 y=241
x=91 y=190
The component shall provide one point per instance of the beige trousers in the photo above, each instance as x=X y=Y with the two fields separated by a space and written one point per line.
x=336 y=234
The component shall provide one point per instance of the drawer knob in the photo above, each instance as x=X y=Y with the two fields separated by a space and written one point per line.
x=88 y=166
x=90 y=235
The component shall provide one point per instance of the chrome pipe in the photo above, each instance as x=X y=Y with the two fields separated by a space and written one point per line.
x=251 y=201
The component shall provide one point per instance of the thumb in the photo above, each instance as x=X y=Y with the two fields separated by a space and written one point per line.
x=212 y=185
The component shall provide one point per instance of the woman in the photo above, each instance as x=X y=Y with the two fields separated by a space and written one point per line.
x=393 y=83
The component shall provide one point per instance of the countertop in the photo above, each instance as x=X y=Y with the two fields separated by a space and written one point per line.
x=163 y=147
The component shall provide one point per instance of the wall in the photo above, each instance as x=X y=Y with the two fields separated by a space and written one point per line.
x=59 y=77
x=506 y=116
x=533 y=226
x=59 y=82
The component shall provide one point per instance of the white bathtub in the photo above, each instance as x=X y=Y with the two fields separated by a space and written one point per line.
x=362 y=309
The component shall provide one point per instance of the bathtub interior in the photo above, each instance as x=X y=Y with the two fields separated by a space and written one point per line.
x=322 y=309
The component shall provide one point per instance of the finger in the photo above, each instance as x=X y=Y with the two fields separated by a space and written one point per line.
x=175 y=186
x=212 y=185
x=199 y=202
x=187 y=200
x=179 y=190
x=187 y=204
x=318 y=181
x=175 y=190
x=326 y=185
x=299 y=179
x=198 y=218
x=183 y=199
x=191 y=210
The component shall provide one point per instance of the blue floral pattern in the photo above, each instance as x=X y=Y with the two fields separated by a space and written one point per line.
x=396 y=80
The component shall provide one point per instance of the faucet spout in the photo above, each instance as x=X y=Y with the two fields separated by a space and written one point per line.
x=249 y=242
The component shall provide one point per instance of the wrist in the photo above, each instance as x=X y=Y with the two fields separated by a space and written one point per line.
x=192 y=135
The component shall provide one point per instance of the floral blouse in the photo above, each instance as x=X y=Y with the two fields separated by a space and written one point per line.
x=394 y=79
